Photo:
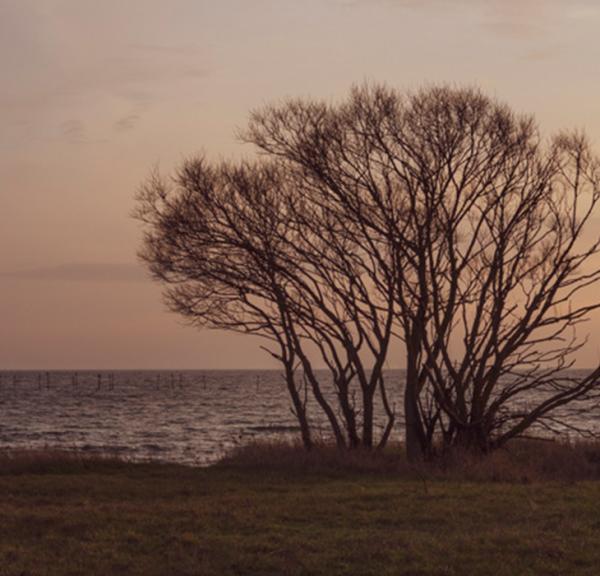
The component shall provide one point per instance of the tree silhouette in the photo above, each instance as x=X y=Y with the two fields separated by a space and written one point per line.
x=438 y=223
x=241 y=250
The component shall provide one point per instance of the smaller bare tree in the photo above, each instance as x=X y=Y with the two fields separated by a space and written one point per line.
x=240 y=248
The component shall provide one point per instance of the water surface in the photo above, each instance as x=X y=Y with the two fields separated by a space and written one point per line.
x=192 y=417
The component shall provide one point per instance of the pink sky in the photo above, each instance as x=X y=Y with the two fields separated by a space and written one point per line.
x=97 y=93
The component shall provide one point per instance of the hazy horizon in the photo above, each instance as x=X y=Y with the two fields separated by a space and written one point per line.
x=99 y=94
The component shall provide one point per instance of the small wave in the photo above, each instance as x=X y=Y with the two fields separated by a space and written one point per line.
x=274 y=428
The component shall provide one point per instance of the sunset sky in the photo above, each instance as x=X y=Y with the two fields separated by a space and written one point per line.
x=95 y=94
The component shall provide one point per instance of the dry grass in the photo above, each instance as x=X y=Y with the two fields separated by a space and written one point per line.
x=50 y=460
x=355 y=516
x=323 y=458
x=521 y=461
x=527 y=461
x=273 y=509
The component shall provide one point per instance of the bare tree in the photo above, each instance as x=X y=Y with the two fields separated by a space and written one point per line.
x=504 y=265
x=212 y=247
x=438 y=218
x=240 y=249
x=484 y=227
x=340 y=311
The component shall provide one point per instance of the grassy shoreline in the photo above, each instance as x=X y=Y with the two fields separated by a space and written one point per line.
x=270 y=510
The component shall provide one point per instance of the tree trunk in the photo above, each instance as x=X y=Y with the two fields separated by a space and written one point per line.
x=367 y=432
x=299 y=408
x=348 y=413
x=414 y=448
x=316 y=389
x=414 y=434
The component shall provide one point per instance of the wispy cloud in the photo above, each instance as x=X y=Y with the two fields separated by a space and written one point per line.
x=531 y=19
x=517 y=19
x=541 y=55
x=186 y=49
x=73 y=130
x=83 y=272
x=66 y=63
x=126 y=123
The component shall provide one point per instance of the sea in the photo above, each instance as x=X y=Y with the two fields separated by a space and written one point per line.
x=188 y=416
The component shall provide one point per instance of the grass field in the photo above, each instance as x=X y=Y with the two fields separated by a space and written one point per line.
x=62 y=516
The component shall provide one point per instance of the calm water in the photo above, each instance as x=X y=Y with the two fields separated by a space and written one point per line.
x=185 y=416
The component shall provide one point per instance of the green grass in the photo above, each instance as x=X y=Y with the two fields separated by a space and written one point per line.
x=105 y=517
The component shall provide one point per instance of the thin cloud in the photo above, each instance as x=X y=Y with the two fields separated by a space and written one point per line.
x=167 y=49
x=196 y=73
x=83 y=272
x=527 y=19
x=126 y=123
x=540 y=55
x=583 y=10
x=64 y=62
x=73 y=130
x=517 y=19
